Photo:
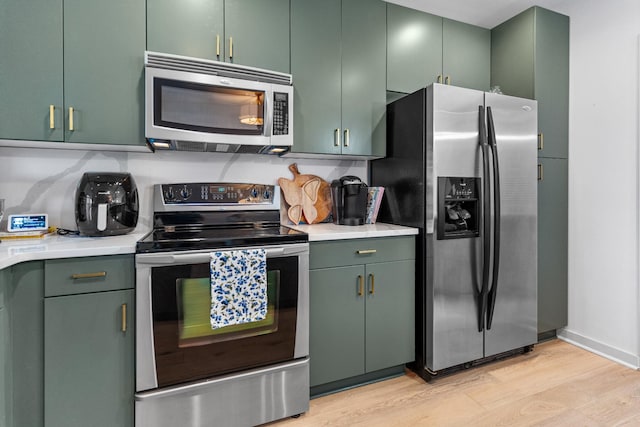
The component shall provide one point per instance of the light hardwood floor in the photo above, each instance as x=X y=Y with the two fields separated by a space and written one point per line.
x=557 y=384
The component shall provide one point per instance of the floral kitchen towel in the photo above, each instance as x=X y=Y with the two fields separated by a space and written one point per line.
x=238 y=287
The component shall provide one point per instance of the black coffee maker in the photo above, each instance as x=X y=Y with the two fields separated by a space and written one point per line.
x=349 y=197
x=106 y=204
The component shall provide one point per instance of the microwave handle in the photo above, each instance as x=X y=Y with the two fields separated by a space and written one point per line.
x=267 y=116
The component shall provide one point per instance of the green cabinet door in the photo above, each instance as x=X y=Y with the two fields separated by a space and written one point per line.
x=390 y=314
x=259 y=31
x=466 y=55
x=414 y=49
x=552 y=82
x=104 y=44
x=24 y=301
x=530 y=59
x=512 y=55
x=190 y=28
x=31 y=70
x=336 y=324
x=5 y=372
x=552 y=245
x=89 y=360
x=317 y=74
x=363 y=78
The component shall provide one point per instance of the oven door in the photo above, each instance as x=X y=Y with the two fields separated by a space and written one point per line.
x=175 y=342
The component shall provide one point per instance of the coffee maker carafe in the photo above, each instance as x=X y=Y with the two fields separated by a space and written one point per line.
x=349 y=197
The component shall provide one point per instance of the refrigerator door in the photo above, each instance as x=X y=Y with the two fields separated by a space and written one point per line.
x=514 y=322
x=453 y=273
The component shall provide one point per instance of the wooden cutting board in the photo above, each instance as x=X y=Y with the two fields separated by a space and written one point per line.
x=300 y=191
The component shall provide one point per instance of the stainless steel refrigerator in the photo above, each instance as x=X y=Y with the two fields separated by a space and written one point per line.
x=461 y=166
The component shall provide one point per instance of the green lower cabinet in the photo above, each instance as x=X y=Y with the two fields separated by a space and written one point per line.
x=4 y=346
x=552 y=245
x=362 y=318
x=24 y=381
x=336 y=324
x=89 y=360
x=390 y=318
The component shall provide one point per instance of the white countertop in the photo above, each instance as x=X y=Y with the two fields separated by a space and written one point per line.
x=14 y=251
x=330 y=231
x=54 y=246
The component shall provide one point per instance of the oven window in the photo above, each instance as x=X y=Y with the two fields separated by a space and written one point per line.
x=205 y=108
x=187 y=348
x=194 y=308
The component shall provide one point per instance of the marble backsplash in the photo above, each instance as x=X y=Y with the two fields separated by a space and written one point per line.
x=34 y=180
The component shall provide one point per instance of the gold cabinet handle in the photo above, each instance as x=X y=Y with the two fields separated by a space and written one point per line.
x=360 y=285
x=366 y=251
x=52 y=117
x=218 y=45
x=89 y=275
x=372 y=280
x=540 y=141
x=540 y=172
x=447 y=80
x=71 y=119
x=230 y=47
x=336 y=137
x=123 y=308
x=439 y=79
x=346 y=137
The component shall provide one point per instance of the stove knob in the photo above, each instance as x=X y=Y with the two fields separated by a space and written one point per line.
x=185 y=192
x=254 y=193
x=266 y=194
x=168 y=195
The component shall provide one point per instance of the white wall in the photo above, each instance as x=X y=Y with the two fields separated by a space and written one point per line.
x=603 y=176
x=45 y=180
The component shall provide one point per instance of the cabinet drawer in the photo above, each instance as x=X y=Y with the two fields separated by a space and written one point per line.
x=91 y=274
x=361 y=251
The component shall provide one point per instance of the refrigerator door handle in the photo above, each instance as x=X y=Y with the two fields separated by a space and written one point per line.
x=486 y=214
x=496 y=219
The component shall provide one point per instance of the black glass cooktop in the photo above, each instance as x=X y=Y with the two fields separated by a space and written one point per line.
x=194 y=238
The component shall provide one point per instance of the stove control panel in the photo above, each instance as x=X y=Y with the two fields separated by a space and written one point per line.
x=216 y=194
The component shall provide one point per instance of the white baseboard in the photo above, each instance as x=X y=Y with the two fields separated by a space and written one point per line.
x=615 y=354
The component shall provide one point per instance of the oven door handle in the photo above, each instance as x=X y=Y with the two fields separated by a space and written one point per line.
x=152 y=259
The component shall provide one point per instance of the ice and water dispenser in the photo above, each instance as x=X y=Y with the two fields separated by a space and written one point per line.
x=458 y=207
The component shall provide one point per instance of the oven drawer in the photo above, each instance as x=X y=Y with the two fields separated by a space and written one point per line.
x=336 y=253
x=70 y=276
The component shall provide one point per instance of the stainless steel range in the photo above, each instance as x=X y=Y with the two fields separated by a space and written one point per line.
x=200 y=367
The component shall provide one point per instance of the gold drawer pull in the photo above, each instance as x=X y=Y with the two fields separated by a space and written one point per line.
x=372 y=279
x=124 y=317
x=52 y=117
x=89 y=275
x=71 y=127
x=360 y=285
x=366 y=251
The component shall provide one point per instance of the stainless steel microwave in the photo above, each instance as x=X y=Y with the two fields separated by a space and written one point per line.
x=196 y=104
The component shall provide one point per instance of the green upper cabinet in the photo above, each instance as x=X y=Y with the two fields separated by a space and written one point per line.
x=414 y=49
x=74 y=73
x=338 y=67
x=103 y=71
x=424 y=48
x=31 y=70
x=247 y=32
x=466 y=58
x=530 y=58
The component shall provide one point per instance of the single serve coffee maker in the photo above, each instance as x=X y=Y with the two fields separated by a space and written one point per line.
x=349 y=200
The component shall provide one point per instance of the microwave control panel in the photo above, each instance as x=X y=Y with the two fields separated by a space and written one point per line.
x=216 y=194
x=280 y=113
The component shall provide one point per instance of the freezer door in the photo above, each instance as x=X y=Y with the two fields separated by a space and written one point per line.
x=514 y=322
x=454 y=267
